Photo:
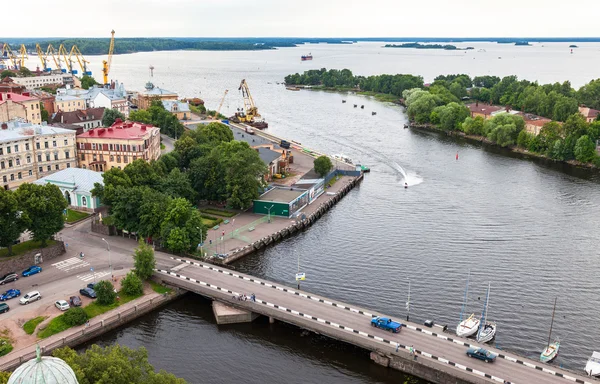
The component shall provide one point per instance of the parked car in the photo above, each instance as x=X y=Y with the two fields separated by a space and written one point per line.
x=481 y=354
x=31 y=296
x=4 y=307
x=91 y=285
x=88 y=292
x=62 y=305
x=285 y=144
x=386 y=324
x=75 y=301
x=32 y=270
x=10 y=294
x=9 y=277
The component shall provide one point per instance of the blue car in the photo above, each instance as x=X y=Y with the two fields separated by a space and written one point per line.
x=32 y=270
x=481 y=354
x=10 y=294
x=386 y=324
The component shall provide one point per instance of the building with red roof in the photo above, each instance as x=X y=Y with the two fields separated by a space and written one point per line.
x=589 y=113
x=101 y=149
x=16 y=106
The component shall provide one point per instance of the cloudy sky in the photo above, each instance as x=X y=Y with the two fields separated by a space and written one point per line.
x=306 y=18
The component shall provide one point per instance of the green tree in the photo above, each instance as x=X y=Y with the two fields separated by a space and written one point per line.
x=141 y=116
x=105 y=292
x=549 y=134
x=451 y=116
x=152 y=212
x=44 y=113
x=6 y=73
x=75 y=316
x=524 y=139
x=585 y=149
x=132 y=284
x=4 y=376
x=144 y=261
x=110 y=115
x=322 y=165
x=44 y=206
x=504 y=128
x=112 y=178
x=182 y=226
x=13 y=221
x=88 y=81
x=25 y=72
x=473 y=126
x=114 y=364
x=589 y=94
x=177 y=184
x=141 y=173
x=564 y=107
x=420 y=104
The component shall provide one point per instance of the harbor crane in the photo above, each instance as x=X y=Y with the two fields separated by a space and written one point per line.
x=216 y=116
x=24 y=55
x=106 y=63
x=62 y=54
x=250 y=109
x=7 y=53
x=43 y=58
x=51 y=52
x=81 y=60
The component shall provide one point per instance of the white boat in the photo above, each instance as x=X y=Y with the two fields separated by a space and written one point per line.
x=343 y=158
x=592 y=368
x=468 y=327
x=551 y=351
x=487 y=329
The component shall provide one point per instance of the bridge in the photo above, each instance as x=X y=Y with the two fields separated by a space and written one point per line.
x=440 y=356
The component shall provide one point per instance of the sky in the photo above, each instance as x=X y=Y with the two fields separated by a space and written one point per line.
x=305 y=18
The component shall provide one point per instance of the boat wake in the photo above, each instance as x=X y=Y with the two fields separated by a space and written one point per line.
x=411 y=178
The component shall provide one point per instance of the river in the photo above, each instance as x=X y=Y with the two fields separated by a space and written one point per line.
x=526 y=227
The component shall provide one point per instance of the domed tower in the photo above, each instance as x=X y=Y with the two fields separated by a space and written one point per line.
x=43 y=369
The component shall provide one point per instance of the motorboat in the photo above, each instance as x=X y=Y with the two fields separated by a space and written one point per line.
x=487 y=333
x=468 y=327
x=343 y=158
x=592 y=368
x=550 y=352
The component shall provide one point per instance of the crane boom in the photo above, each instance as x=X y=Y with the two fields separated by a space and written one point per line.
x=216 y=116
x=52 y=52
x=80 y=59
x=62 y=54
x=24 y=55
x=106 y=63
x=249 y=106
x=9 y=54
x=42 y=57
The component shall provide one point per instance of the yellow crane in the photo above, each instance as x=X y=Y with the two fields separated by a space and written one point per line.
x=80 y=59
x=51 y=52
x=106 y=63
x=42 y=57
x=250 y=110
x=216 y=116
x=7 y=53
x=24 y=55
x=64 y=56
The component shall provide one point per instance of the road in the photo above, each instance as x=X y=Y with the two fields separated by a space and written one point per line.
x=168 y=142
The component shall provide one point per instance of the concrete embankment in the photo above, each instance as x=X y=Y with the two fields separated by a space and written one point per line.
x=97 y=326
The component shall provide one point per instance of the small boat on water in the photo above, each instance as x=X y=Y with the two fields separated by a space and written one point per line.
x=373 y=113
x=355 y=105
x=364 y=168
x=292 y=88
x=487 y=329
x=469 y=326
x=592 y=368
x=343 y=101
x=405 y=126
x=362 y=107
x=551 y=351
x=306 y=57
x=344 y=158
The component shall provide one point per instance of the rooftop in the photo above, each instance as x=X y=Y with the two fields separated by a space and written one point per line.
x=152 y=90
x=16 y=130
x=14 y=97
x=81 y=179
x=181 y=106
x=78 y=116
x=121 y=130
x=281 y=195
x=267 y=155
x=483 y=108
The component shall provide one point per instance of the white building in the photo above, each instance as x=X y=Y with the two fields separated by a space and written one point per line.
x=76 y=185
x=36 y=82
x=68 y=100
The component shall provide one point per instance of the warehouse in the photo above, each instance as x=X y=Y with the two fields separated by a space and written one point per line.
x=281 y=202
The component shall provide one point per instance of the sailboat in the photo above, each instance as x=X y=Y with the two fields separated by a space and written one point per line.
x=468 y=326
x=551 y=350
x=487 y=329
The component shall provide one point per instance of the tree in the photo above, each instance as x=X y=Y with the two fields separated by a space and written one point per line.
x=524 y=139
x=87 y=82
x=75 y=316
x=473 y=126
x=44 y=206
x=114 y=364
x=4 y=376
x=6 y=73
x=564 y=107
x=110 y=116
x=504 y=128
x=141 y=116
x=323 y=165
x=132 y=284
x=141 y=173
x=177 y=184
x=44 y=113
x=25 y=72
x=152 y=212
x=13 y=221
x=585 y=149
x=144 y=262
x=105 y=292
x=549 y=134
x=589 y=94
x=182 y=226
x=112 y=178
x=420 y=104
x=451 y=116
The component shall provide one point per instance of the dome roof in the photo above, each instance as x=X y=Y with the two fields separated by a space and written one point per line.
x=43 y=370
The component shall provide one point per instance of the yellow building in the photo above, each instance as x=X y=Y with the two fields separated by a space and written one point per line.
x=151 y=93
x=15 y=106
x=101 y=149
x=69 y=103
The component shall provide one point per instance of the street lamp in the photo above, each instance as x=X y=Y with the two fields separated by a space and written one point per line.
x=201 y=242
x=269 y=210
x=408 y=303
x=109 y=261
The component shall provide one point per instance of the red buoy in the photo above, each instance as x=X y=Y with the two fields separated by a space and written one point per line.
x=456 y=155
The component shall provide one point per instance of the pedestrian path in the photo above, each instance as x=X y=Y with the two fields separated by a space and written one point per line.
x=93 y=276
x=70 y=264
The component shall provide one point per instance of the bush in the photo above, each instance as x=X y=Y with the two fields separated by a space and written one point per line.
x=132 y=285
x=5 y=346
x=75 y=316
x=144 y=261
x=105 y=292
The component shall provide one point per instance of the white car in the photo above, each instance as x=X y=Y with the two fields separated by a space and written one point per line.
x=31 y=296
x=62 y=305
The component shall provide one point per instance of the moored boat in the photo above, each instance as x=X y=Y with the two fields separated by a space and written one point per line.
x=343 y=158
x=592 y=368
x=292 y=88
x=468 y=327
x=551 y=351
x=487 y=329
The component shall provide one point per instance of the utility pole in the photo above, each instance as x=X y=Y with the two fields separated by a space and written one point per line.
x=408 y=303
x=109 y=261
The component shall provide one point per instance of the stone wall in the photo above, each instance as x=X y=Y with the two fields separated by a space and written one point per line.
x=21 y=262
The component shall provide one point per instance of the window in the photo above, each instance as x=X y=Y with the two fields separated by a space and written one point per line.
x=125 y=158
x=27 y=146
x=66 y=142
x=47 y=157
x=110 y=147
x=39 y=157
x=2 y=164
x=41 y=169
x=134 y=148
x=93 y=145
x=8 y=149
x=37 y=106
x=18 y=161
x=54 y=143
x=94 y=157
x=67 y=155
x=101 y=157
x=16 y=148
x=37 y=145
x=19 y=176
x=134 y=158
x=56 y=167
x=38 y=115
x=46 y=144
x=83 y=201
x=81 y=146
x=83 y=156
x=55 y=155
x=68 y=165
x=32 y=107
x=49 y=168
x=84 y=167
x=4 y=179
x=9 y=163
x=12 y=176
x=1 y=151
x=30 y=172
x=119 y=159
x=112 y=158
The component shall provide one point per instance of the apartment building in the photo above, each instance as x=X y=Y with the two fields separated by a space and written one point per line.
x=15 y=106
x=44 y=80
x=31 y=151
x=101 y=149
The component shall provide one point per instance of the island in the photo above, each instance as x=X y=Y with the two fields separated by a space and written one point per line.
x=573 y=46
x=522 y=43
x=447 y=47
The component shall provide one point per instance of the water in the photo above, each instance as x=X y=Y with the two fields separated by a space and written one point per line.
x=527 y=227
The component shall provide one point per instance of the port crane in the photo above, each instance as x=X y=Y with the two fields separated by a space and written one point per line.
x=24 y=55
x=64 y=55
x=216 y=116
x=250 y=109
x=51 y=52
x=43 y=58
x=8 y=53
x=81 y=60
x=106 y=63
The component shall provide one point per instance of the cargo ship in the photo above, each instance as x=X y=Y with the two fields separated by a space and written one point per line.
x=306 y=57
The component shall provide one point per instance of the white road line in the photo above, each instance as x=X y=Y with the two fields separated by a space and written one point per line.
x=91 y=276
x=70 y=264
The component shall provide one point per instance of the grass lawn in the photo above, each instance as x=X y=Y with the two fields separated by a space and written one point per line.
x=162 y=147
x=24 y=247
x=218 y=212
x=5 y=346
x=75 y=215
x=94 y=309
x=30 y=326
x=210 y=221
x=159 y=288
x=333 y=181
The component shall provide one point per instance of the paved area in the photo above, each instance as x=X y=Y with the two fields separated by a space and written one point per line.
x=317 y=312
x=169 y=144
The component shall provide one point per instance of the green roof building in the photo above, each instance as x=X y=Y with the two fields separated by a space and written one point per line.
x=43 y=370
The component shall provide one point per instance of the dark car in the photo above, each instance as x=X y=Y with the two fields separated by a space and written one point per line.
x=91 y=285
x=88 y=292
x=481 y=354
x=10 y=294
x=4 y=307
x=285 y=144
x=9 y=277
x=75 y=301
x=32 y=270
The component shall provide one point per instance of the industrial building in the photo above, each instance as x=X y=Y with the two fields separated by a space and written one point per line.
x=281 y=201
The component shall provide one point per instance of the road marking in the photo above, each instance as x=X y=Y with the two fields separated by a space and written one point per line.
x=418 y=329
x=390 y=343
x=91 y=276
x=70 y=264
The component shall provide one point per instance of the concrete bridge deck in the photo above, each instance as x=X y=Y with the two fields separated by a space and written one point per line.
x=441 y=356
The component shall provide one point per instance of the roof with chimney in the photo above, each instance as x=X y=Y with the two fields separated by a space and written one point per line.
x=483 y=109
x=81 y=116
x=120 y=130
x=16 y=130
x=14 y=97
